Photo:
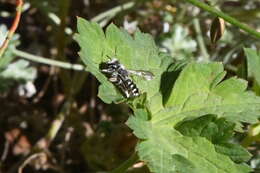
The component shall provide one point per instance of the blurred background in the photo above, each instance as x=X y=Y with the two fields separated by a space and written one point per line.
x=56 y=110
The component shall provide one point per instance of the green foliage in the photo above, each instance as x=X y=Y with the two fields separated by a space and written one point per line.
x=180 y=44
x=186 y=115
x=162 y=145
x=98 y=47
x=199 y=91
x=18 y=71
x=8 y=55
x=218 y=131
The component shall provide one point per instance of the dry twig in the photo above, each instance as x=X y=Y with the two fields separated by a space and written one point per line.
x=19 y=5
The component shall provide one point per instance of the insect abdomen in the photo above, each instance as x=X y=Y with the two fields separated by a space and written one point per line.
x=132 y=88
x=119 y=76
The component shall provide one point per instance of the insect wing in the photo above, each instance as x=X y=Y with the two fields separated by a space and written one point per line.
x=145 y=74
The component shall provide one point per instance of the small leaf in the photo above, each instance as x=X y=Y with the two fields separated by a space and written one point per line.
x=209 y=126
x=217 y=29
x=236 y=152
x=219 y=132
x=18 y=71
x=180 y=45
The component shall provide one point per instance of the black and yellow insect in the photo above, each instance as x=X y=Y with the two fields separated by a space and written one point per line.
x=120 y=77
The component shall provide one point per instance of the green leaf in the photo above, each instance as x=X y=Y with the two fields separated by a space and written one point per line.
x=209 y=126
x=93 y=46
x=192 y=98
x=8 y=55
x=167 y=151
x=135 y=53
x=198 y=91
x=180 y=44
x=219 y=132
x=253 y=63
x=18 y=71
x=236 y=152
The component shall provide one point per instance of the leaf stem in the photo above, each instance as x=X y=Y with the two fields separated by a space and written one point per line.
x=47 y=61
x=124 y=166
x=111 y=13
x=200 y=40
x=226 y=17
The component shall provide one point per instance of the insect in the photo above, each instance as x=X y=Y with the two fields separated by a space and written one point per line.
x=120 y=76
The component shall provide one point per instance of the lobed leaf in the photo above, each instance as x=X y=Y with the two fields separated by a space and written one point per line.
x=185 y=115
x=219 y=132
x=216 y=130
x=198 y=91
x=236 y=152
x=135 y=53
x=167 y=151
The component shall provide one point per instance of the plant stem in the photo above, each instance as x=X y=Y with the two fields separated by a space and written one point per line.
x=57 y=122
x=201 y=43
x=47 y=61
x=61 y=42
x=123 y=167
x=226 y=17
x=111 y=13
